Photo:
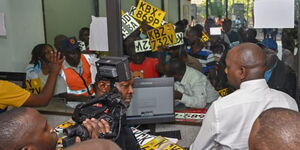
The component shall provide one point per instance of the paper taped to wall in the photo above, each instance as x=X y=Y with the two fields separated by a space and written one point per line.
x=274 y=13
x=98 y=34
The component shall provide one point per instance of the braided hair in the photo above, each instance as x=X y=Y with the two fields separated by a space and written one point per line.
x=39 y=54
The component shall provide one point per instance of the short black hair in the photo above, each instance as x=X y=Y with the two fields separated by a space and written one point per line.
x=176 y=67
x=197 y=29
x=252 y=33
x=58 y=39
x=83 y=30
x=12 y=128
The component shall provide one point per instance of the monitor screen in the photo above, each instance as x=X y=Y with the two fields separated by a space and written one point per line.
x=15 y=77
x=152 y=102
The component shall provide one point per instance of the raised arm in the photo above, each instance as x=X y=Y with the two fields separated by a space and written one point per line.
x=46 y=94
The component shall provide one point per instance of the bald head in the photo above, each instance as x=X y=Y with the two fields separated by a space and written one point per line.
x=14 y=126
x=276 y=128
x=25 y=128
x=245 y=62
x=249 y=55
x=95 y=144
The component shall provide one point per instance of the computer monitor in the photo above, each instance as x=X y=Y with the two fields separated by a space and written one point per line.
x=152 y=102
x=18 y=78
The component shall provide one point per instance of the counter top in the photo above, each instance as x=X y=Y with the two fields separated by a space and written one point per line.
x=57 y=106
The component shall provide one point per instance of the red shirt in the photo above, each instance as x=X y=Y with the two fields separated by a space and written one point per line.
x=145 y=70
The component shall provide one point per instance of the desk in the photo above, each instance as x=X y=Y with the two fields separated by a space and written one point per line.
x=188 y=132
x=188 y=122
x=57 y=106
x=56 y=112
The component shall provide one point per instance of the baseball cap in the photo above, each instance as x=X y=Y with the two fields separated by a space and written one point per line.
x=69 y=44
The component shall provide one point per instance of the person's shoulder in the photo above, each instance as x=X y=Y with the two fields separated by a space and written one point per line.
x=196 y=73
x=29 y=66
x=10 y=86
x=231 y=99
x=280 y=95
x=151 y=59
x=4 y=83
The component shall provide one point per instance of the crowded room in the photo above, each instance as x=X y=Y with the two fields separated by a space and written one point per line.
x=149 y=75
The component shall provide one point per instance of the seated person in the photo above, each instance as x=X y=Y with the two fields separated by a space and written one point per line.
x=126 y=139
x=276 y=128
x=196 y=49
x=191 y=87
x=76 y=69
x=26 y=129
x=13 y=95
x=278 y=75
x=38 y=70
x=140 y=65
x=95 y=144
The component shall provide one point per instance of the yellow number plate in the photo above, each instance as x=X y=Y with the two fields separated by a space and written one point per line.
x=149 y=13
x=161 y=36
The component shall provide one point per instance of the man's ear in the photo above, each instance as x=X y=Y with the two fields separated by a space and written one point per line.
x=242 y=73
x=99 y=85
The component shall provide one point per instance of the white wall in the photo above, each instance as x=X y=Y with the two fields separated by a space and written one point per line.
x=171 y=7
x=185 y=10
x=127 y=4
x=156 y=3
x=67 y=17
x=102 y=8
x=24 y=24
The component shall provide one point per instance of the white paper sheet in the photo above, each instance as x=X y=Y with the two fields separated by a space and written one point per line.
x=197 y=2
x=2 y=25
x=98 y=34
x=274 y=13
x=215 y=31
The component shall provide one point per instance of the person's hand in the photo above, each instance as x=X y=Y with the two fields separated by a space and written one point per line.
x=96 y=127
x=55 y=62
x=177 y=95
x=104 y=126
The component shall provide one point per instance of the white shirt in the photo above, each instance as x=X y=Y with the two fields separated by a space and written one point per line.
x=196 y=89
x=228 y=122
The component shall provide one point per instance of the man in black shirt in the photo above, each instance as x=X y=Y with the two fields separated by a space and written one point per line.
x=126 y=139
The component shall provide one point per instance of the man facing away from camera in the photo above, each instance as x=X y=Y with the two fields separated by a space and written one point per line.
x=228 y=121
